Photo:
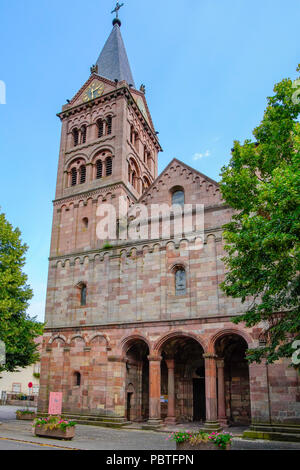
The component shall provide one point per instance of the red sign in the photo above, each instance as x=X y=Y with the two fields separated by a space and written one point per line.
x=55 y=403
x=30 y=385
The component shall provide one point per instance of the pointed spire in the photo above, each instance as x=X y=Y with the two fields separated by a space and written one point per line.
x=113 y=61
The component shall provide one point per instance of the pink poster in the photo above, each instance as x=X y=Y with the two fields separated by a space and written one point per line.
x=55 y=403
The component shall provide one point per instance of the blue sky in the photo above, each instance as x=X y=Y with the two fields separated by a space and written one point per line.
x=208 y=66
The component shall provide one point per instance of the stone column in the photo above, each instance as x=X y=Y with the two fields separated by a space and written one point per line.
x=221 y=394
x=171 y=419
x=211 y=393
x=154 y=390
x=116 y=379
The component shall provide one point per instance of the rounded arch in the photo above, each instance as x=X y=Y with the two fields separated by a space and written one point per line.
x=179 y=334
x=128 y=341
x=78 y=336
x=60 y=337
x=99 y=335
x=101 y=149
x=178 y=265
x=73 y=160
x=229 y=331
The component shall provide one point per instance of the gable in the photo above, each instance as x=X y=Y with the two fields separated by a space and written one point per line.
x=95 y=87
x=198 y=188
x=141 y=102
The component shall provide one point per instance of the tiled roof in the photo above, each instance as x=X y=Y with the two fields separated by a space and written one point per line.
x=113 y=61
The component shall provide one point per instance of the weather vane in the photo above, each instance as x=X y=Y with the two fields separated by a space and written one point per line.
x=116 y=10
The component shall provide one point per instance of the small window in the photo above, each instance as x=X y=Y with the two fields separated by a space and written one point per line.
x=85 y=222
x=109 y=125
x=16 y=388
x=83 y=134
x=180 y=281
x=83 y=292
x=82 y=174
x=100 y=125
x=73 y=177
x=108 y=166
x=75 y=137
x=99 y=168
x=178 y=198
x=77 y=379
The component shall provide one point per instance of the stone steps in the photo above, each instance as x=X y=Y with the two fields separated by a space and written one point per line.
x=104 y=421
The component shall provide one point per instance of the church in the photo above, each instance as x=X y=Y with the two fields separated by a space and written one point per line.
x=139 y=330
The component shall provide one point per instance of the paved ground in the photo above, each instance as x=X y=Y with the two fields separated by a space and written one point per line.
x=18 y=435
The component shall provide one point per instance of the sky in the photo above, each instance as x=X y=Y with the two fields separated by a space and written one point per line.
x=208 y=67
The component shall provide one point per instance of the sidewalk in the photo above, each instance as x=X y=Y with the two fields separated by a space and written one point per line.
x=98 y=438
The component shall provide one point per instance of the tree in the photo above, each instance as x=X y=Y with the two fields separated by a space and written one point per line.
x=17 y=330
x=262 y=184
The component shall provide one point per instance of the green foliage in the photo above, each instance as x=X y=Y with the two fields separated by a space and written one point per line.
x=107 y=246
x=25 y=412
x=262 y=183
x=17 y=329
x=221 y=440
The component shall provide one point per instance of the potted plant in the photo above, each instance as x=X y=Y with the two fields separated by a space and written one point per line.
x=26 y=415
x=54 y=427
x=187 y=440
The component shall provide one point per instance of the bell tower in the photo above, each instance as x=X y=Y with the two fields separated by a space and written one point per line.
x=109 y=148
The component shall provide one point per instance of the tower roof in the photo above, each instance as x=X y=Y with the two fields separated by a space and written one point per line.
x=113 y=61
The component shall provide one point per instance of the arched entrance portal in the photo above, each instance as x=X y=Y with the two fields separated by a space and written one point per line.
x=233 y=384
x=137 y=381
x=182 y=380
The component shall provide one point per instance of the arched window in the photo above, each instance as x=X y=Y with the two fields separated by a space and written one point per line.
x=149 y=160
x=75 y=137
x=99 y=169
x=82 y=174
x=85 y=222
x=132 y=134
x=83 y=292
x=178 y=197
x=77 y=379
x=146 y=183
x=100 y=124
x=180 y=281
x=109 y=125
x=108 y=166
x=73 y=177
x=83 y=134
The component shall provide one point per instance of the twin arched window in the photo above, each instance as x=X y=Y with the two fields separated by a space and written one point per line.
x=104 y=126
x=78 y=175
x=79 y=135
x=104 y=166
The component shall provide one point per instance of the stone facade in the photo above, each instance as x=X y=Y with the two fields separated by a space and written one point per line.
x=135 y=350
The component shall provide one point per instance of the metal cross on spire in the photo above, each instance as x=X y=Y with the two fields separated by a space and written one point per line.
x=116 y=10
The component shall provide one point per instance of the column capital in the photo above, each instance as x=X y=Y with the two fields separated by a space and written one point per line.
x=170 y=363
x=154 y=358
x=210 y=356
x=220 y=363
